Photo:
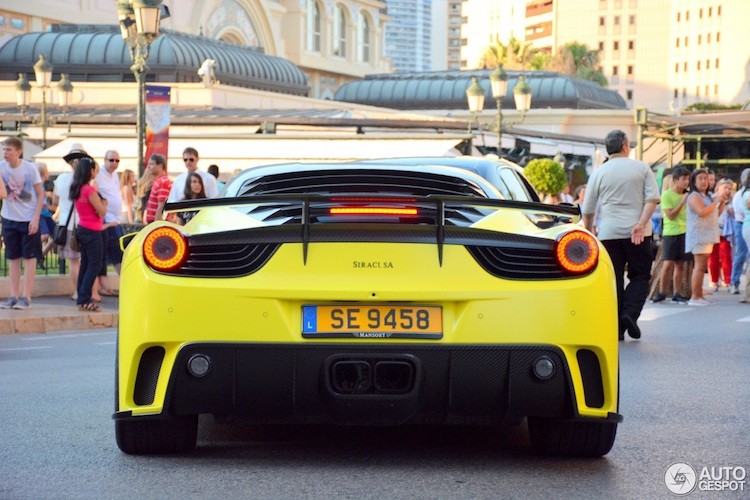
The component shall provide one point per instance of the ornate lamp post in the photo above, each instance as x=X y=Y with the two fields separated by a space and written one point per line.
x=139 y=26
x=475 y=97
x=64 y=94
x=499 y=83
x=522 y=96
x=43 y=76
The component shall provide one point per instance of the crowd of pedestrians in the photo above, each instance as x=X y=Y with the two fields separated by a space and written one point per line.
x=703 y=221
x=93 y=201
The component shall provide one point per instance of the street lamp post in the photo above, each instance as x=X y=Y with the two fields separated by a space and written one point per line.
x=475 y=97
x=499 y=83
x=43 y=76
x=139 y=26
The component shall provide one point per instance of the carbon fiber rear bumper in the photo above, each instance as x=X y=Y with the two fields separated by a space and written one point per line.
x=367 y=384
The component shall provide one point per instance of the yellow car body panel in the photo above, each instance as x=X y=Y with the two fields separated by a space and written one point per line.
x=481 y=309
x=477 y=308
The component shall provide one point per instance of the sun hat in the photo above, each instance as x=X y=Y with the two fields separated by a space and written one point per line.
x=76 y=151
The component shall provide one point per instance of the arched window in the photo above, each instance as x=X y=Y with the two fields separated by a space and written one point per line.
x=363 y=38
x=313 y=26
x=339 y=32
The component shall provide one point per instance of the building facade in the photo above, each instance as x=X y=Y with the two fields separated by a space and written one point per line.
x=455 y=39
x=408 y=35
x=663 y=55
x=332 y=42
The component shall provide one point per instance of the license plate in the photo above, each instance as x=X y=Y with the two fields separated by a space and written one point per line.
x=372 y=321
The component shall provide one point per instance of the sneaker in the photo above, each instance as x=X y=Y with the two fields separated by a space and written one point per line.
x=714 y=287
x=734 y=290
x=700 y=302
x=9 y=303
x=659 y=297
x=22 y=303
x=679 y=299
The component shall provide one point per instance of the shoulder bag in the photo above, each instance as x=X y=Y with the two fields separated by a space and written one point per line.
x=60 y=236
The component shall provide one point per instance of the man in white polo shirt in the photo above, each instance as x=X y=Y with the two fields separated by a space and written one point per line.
x=108 y=182
x=190 y=157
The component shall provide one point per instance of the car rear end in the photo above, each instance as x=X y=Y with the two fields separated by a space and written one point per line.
x=368 y=309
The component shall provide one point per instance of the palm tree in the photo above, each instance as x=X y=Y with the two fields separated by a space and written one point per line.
x=573 y=59
x=494 y=55
x=515 y=54
x=583 y=62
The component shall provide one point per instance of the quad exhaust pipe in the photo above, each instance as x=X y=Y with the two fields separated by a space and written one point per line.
x=373 y=376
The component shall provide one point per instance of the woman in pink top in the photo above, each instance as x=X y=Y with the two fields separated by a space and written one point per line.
x=91 y=208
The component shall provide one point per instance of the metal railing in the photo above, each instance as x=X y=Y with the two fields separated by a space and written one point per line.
x=51 y=264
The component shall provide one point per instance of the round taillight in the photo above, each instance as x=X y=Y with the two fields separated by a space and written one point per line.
x=577 y=252
x=165 y=249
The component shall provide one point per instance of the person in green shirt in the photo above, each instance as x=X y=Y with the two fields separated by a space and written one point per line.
x=674 y=213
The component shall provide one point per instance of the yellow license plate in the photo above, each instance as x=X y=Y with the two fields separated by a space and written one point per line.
x=372 y=321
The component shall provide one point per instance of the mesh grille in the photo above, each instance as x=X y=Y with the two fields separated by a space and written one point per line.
x=360 y=182
x=227 y=260
x=517 y=263
x=591 y=375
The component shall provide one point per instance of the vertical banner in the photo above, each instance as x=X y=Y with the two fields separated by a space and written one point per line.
x=158 y=111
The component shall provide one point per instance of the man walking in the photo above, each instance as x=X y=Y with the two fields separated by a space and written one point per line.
x=674 y=211
x=21 y=210
x=627 y=195
x=190 y=157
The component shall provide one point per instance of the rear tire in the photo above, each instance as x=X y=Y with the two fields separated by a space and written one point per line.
x=559 y=438
x=149 y=437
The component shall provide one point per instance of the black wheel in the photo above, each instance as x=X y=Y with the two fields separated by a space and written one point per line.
x=148 y=437
x=560 y=438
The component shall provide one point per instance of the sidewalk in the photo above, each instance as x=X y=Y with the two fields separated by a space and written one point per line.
x=55 y=313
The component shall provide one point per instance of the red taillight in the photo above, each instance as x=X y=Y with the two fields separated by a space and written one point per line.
x=373 y=211
x=577 y=252
x=165 y=249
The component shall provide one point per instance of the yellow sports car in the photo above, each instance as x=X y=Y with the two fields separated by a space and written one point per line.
x=387 y=292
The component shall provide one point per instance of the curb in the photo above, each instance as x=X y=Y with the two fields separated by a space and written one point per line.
x=48 y=315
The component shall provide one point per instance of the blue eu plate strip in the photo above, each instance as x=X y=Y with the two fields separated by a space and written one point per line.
x=309 y=319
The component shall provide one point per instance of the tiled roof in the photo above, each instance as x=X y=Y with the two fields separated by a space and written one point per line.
x=447 y=90
x=98 y=53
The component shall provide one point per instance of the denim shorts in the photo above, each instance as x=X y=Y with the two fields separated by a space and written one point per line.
x=19 y=243
x=46 y=225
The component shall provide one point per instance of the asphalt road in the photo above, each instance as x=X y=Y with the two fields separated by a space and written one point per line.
x=685 y=398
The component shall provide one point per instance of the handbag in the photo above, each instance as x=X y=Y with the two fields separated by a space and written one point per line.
x=60 y=235
x=75 y=245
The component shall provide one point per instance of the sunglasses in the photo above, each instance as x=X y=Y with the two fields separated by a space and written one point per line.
x=188 y=159
x=114 y=160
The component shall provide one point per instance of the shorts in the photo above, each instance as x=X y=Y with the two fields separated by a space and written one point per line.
x=673 y=248
x=19 y=243
x=702 y=249
x=46 y=225
x=112 y=252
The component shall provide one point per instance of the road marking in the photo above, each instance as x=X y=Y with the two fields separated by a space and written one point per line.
x=7 y=349
x=64 y=336
x=657 y=312
x=746 y=319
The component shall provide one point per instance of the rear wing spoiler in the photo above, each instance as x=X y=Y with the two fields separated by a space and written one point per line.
x=307 y=202
x=568 y=213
